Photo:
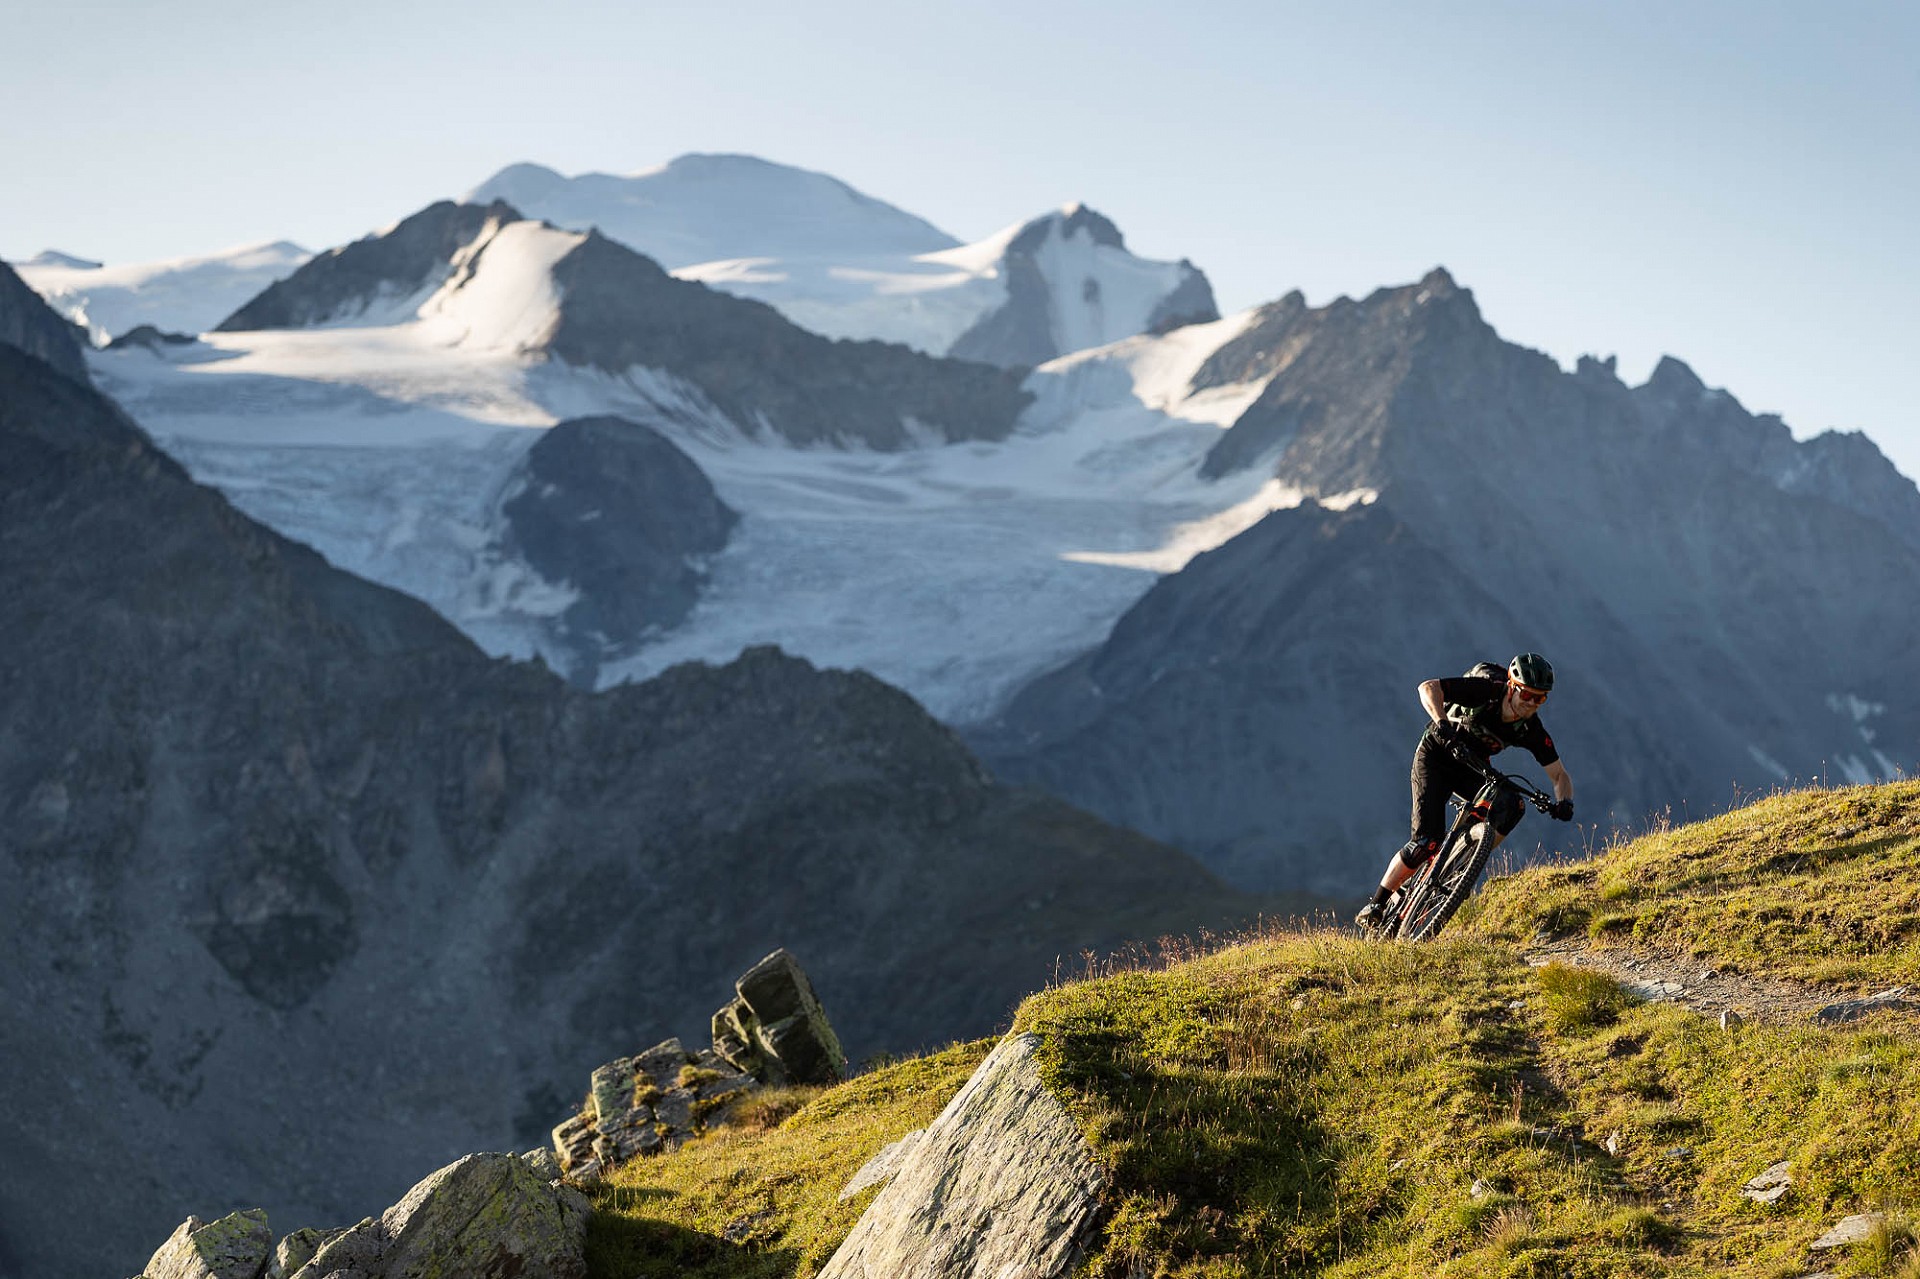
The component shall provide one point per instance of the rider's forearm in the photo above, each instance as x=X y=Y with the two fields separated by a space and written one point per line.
x=1430 y=699
x=1562 y=783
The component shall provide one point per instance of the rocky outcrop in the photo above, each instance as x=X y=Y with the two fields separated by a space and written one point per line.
x=273 y=833
x=775 y=1028
x=643 y=1105
x=486 y=1216
x=1001 y=1184
x=623 y=517
x=1190 y=302
x=150 y=338
x=386 y=266
x=30 y=325
x=237 y=1246
x=773 y=1032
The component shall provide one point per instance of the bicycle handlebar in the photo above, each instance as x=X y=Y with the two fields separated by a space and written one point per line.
x=1511 y=781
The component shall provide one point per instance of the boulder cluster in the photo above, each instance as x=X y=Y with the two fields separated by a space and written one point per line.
x=645 y=1104
x=494 y=1216
x=485 y=1215
x=774 y=1032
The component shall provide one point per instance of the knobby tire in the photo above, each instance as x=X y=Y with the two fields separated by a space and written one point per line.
x=1449 y=886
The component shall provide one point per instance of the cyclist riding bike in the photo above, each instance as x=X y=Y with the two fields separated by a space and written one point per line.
x=1478 y=715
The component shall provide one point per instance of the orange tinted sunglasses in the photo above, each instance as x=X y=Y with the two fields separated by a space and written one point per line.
x=1531 y=695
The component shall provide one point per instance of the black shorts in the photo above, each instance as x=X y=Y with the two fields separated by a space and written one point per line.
x=1436 y=775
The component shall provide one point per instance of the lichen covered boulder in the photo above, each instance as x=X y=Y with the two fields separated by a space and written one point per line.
x=1002 y=1184
x=235 y=1247
x=485 y=1217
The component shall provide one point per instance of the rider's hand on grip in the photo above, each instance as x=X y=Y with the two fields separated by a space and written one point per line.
x=1561 y=810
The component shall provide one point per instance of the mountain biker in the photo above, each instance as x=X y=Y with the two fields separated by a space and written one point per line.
x=1481 y=713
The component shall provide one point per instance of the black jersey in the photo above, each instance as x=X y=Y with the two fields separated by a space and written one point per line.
x=1473 y=703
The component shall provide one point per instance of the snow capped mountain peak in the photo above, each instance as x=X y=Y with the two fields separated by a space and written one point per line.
x=54 y=257
x=178 y=295
x=846 y=265
x=1076 y=219
x=1070 y=284
x=706 y=208
x=380 y=279
x=501 y=294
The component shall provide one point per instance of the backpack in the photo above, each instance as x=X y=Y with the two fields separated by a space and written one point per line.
x=1474 y=721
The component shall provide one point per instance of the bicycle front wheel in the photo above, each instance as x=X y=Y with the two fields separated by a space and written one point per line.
x=1451 y=884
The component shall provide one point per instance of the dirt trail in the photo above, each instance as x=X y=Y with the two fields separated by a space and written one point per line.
x=1698 y=985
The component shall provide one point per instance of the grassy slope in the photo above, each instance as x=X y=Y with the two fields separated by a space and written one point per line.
x=1309 y=1104
x=1818 y=885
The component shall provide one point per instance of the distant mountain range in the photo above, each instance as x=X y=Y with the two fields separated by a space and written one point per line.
x=1727 y=608
x=986 y=557
x=829 y=258
x=844 y=264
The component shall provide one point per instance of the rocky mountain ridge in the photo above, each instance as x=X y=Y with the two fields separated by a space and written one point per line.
x=27 y=324
x=592 y=303
x=378 y=272
x=1721 y=602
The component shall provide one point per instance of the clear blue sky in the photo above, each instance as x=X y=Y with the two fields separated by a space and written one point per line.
x=1732 y=183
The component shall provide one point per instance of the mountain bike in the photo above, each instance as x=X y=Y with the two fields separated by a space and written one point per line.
x=1427 y=901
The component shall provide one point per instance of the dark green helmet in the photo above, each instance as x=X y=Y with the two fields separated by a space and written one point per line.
x=1532 y=670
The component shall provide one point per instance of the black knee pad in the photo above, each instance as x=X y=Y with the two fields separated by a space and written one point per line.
x=1508 y=809
x=1417 y=851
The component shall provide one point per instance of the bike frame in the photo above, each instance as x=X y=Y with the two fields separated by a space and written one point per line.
x=1429 y=899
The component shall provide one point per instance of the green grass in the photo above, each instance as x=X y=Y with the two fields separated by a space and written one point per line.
x=1819 y=885
x=1309 y=1104
x=1580 y=999
x=759 y=1198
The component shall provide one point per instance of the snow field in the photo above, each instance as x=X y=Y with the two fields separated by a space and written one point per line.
x=955 y=571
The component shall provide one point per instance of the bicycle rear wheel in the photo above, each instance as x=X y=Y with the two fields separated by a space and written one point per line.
x=1451 y=884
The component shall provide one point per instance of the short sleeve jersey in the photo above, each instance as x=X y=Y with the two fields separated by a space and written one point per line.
x=1474 y=703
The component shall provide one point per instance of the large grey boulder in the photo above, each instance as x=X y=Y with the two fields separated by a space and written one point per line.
x=236 y=1246
x=485 y=1217
x=1002 y=1184
x=775 y=1028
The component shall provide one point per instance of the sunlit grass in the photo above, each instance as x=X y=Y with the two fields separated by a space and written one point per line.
x=1305 y=1103
x=759 y=1197
x=1818 y=885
